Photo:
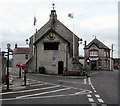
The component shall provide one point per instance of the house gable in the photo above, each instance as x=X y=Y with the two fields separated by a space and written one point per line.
x=49 y=32
x=93 y=46
x=96 y=42
x=58 y=27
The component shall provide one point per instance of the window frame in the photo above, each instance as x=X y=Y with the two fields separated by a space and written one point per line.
x=93 y=53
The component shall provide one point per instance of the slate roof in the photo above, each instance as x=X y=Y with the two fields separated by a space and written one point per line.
x=21 y=50
x=99 y=44
x=60 y=28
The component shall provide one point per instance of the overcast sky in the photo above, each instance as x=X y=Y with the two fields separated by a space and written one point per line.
x=91 y=18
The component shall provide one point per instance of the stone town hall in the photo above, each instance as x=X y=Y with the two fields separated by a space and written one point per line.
x=51 y=48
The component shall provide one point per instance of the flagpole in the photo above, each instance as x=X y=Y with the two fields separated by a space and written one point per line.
x=73 y=38
x=34 y=33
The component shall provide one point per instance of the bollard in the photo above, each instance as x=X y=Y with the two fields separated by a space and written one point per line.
x=20 y=72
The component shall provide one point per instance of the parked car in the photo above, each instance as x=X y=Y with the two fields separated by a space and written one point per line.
x=23 y=65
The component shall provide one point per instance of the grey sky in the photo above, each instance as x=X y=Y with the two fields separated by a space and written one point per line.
x=91 y=17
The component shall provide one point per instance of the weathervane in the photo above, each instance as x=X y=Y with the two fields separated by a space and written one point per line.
x=53 y=6
x=94 y=36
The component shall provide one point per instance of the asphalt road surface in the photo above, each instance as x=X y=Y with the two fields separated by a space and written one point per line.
x=101 y=89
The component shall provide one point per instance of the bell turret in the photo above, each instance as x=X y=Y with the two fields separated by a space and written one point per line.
x=53 y=14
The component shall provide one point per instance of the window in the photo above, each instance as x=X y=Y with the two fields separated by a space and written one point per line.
x=51 y=45
x=93 y=53
x=106 y=53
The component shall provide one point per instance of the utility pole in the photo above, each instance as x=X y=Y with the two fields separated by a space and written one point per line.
x=112 y=57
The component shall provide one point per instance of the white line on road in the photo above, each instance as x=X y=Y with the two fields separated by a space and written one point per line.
x=93 y=104
x=68 y=81
x=82 y=92
x=104 y=105
x=40 y=97
x=100 y=100
x=85 y=82
x=93 y=88
x=89 y=80
x=52 y=96
x=97 y=96
x=95 y=91
x=31 y=90
x=90 y=99
x=39 y=84
x=89 y=95
x=43 y=93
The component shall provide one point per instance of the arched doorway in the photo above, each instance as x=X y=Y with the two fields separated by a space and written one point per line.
x=60 y=67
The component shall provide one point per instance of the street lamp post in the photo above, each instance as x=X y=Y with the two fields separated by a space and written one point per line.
x=7 y=77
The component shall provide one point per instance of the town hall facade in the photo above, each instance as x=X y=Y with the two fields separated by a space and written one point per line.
x=51 y=49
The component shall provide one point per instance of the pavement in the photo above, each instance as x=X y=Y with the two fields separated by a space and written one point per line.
x=16 y=83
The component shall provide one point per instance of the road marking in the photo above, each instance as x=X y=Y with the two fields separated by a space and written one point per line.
x=39 y=84
x=43 y=93
x=93 y=104
x=90 y=99
x=40 y=97
x=77 y=93
x=68 y=81
x=97 y=96
x=89 y=80
x=33 y=80
x=104 y=105
x=43 y=74
x=89 y=95
x=95 y=91
x=81 y=92
x=93 y=88
x=85 y=82
x=30 y=90
x=100 y=100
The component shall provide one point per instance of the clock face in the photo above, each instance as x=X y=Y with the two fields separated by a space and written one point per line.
x=51 y=36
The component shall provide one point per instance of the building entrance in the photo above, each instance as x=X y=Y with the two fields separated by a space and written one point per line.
x=60 y=67
x=93 y=65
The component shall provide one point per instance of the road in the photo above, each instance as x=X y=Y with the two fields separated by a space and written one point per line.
x=101 y=89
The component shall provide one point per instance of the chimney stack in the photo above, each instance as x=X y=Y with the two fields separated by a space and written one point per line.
x=85 y=43
x=16 y=45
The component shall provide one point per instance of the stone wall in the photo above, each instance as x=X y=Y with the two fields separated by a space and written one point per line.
x=18 y=59
x=50 y=58
x=3 y=62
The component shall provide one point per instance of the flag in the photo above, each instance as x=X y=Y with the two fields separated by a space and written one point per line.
x=70 y=15
x=35 y=20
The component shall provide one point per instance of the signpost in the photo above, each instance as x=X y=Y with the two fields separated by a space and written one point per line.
x=7 y=76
